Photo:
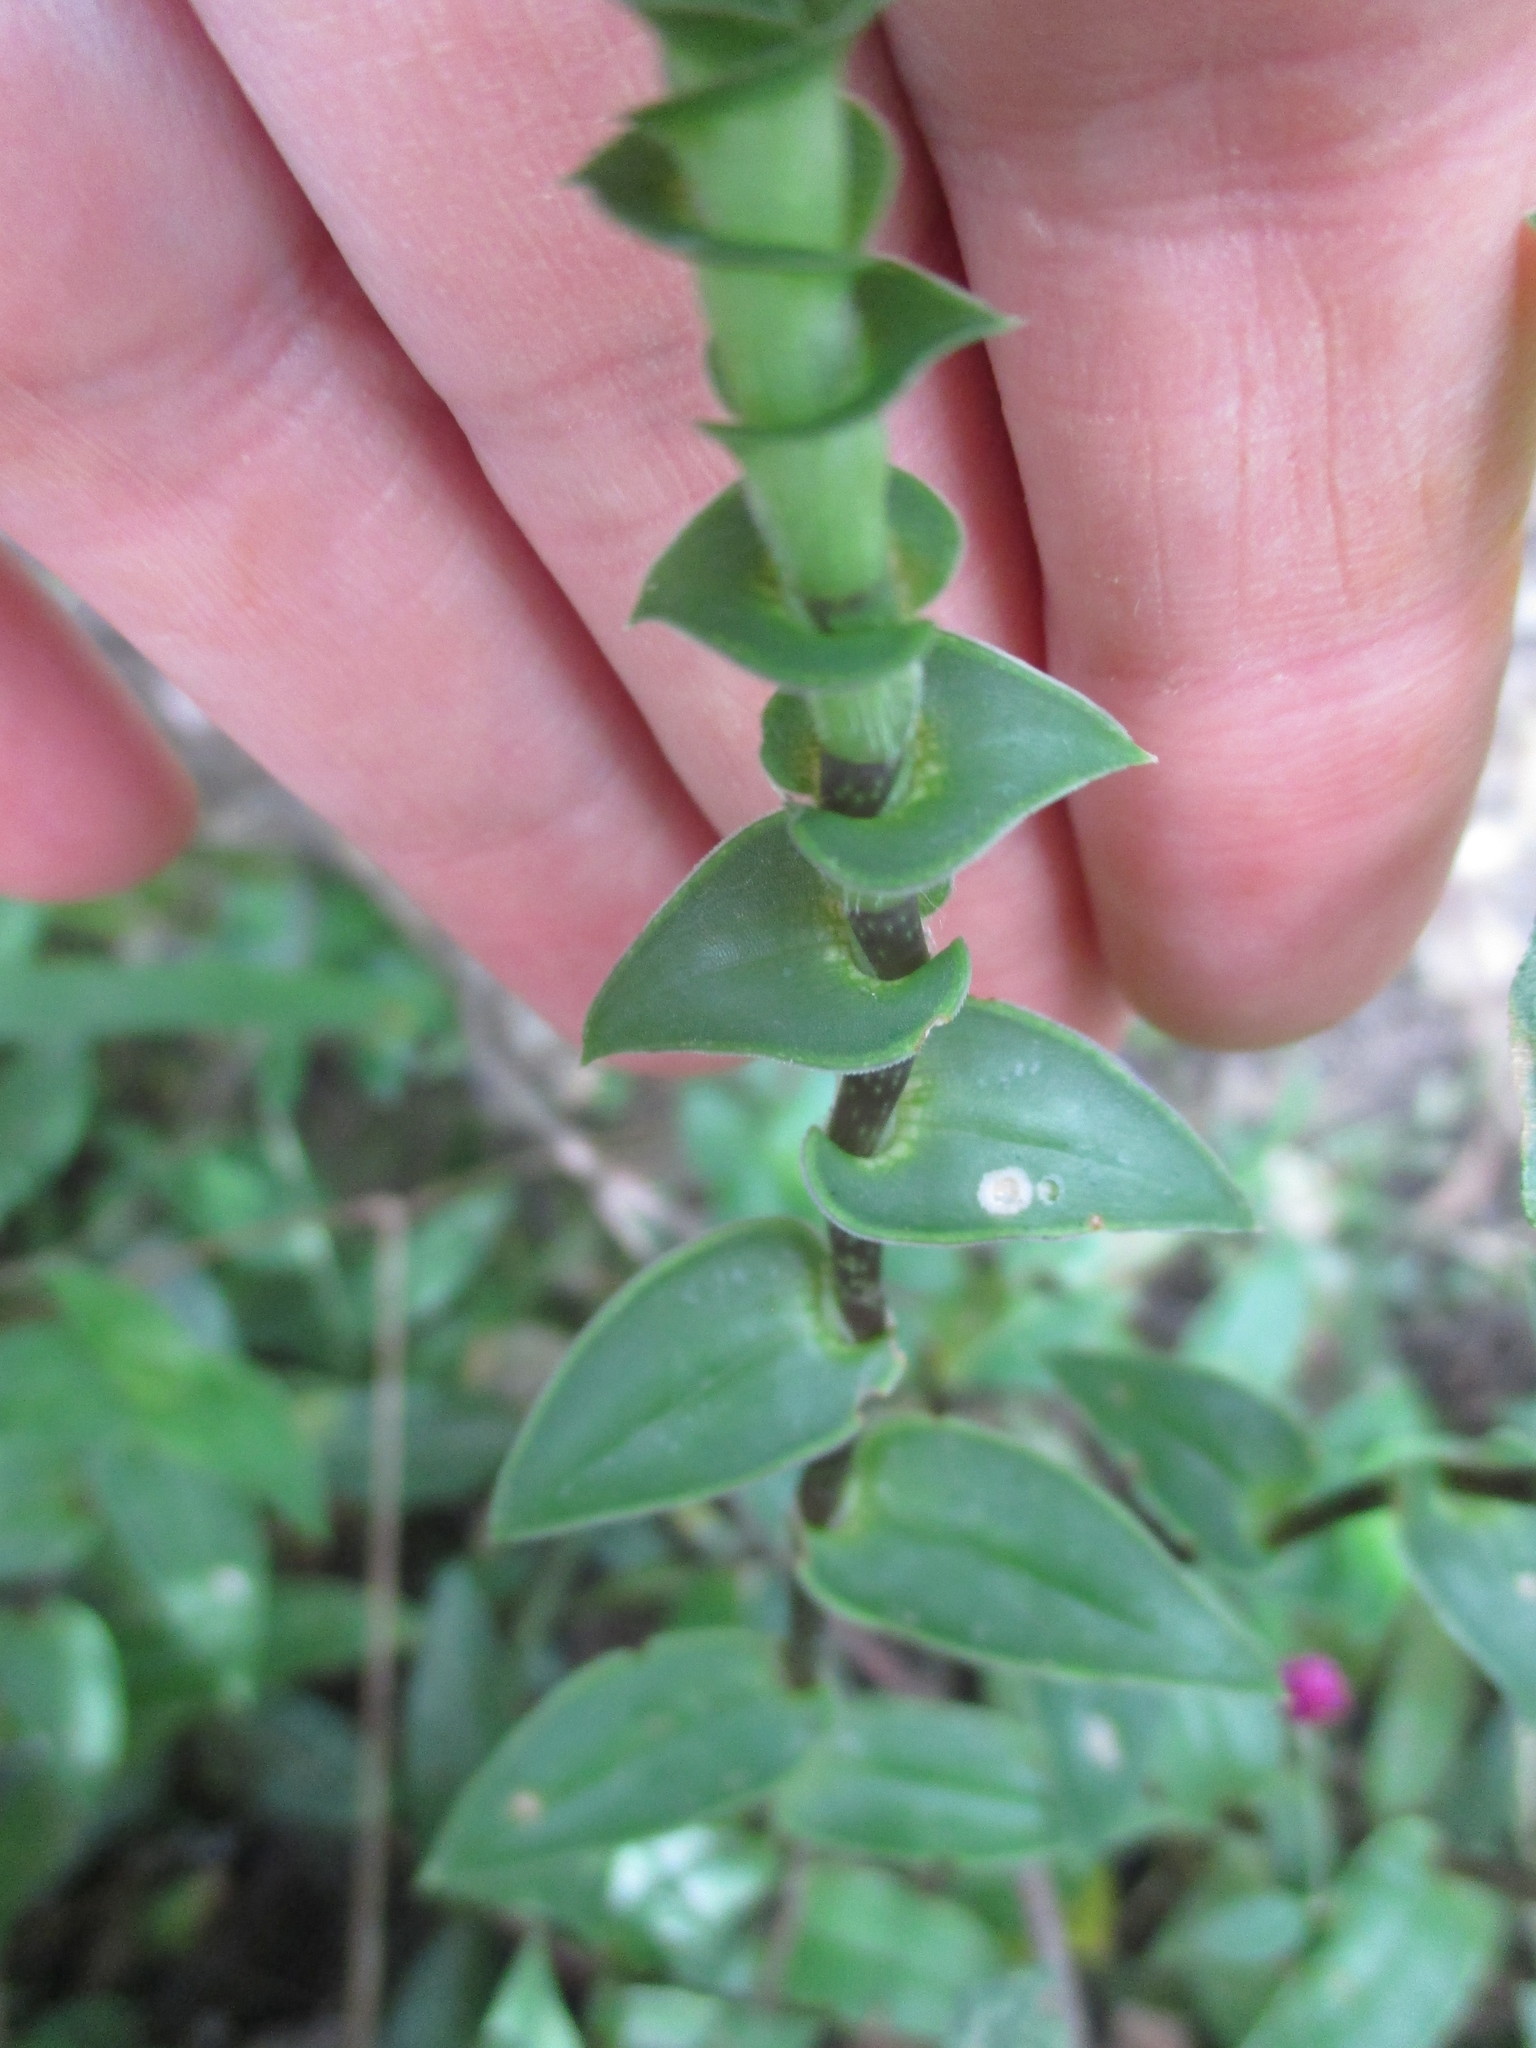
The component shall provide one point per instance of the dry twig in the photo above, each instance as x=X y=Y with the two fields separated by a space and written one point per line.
x=370 y=1865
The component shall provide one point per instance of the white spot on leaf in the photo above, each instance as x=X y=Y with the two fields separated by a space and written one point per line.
x=1525 y=1585
x=525 y=1808
x=1005 y=1191
x=1100 y=1741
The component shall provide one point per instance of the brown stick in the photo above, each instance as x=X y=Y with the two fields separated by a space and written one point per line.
x=366 y=1955
x=1041 y=1907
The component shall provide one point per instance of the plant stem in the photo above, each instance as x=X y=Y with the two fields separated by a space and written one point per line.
x=1487 y=1482
x=802 y=1647
x=1325 y=1509
x=895 y=945
x=1041 y=1907
x=856 y=788
x=892 y=936
x=772 y=165
x=856 y=1283
x=1493 y=1482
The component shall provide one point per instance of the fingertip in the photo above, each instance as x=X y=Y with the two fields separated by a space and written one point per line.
x=92 y=800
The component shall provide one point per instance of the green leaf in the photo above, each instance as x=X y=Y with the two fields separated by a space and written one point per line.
x=451 y=1244
x=1403 y=1961
x=46 y=1097
x=219 y=1412
x=87 y=2023
x=44 y=1530
x=1522 y=1030
x=1232 y=1948
x=1018 y=2011
x=694 y=1724
x=995 y=741
x=451 y=1718
x=1012 y=1126
x=527 y=2010
x=638 y=181
x=921 y=1780
x=454 y=1443
x=690 y=1893
x=876 y=1952
x=317 y=1629
x=1419 y=1724
x=1214 y=1457
x=1214 y=1751
x=753 y=954
x=718 y=584
x=77 y=1002
x=296 y=1759
x=1474 y=1561
x=443 y=1993
x=1255 y=1323
x=961 y=1539
x=62 y=1708
x=811 y=21
x=667 y=2016
x=781 y=14
x=195 y=1554
x=910 y=320
x=63 y=1730
x=52 y=1389
x=1098 y=1739
x=718 y=1364
x=791 y=752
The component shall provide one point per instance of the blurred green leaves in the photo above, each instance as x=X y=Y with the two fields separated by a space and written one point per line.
x=1402 y=1960
x=201 y=1406
x=922 y=1781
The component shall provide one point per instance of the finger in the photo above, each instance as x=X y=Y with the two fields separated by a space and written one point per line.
x=1270 y=398
x=204 y=429
x=91 y=799
x=435 y=142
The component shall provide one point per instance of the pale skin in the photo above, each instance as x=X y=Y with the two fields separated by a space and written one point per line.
x=319 y=384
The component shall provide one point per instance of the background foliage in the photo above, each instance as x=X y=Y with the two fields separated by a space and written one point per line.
x=382 y=1577
x=189 y=1329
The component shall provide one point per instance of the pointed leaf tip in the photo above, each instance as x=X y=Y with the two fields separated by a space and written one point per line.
x=996 y=741
x=753 y=954
x=911 y=321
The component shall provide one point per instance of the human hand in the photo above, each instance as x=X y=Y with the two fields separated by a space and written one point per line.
x=365 y=428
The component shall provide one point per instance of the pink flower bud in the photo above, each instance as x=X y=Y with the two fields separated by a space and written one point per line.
x=1316 y=1689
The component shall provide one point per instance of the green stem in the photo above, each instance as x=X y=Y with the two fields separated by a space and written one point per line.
x=771 y=167
x=788 y=348
x=820 y=505
x=872 y=723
